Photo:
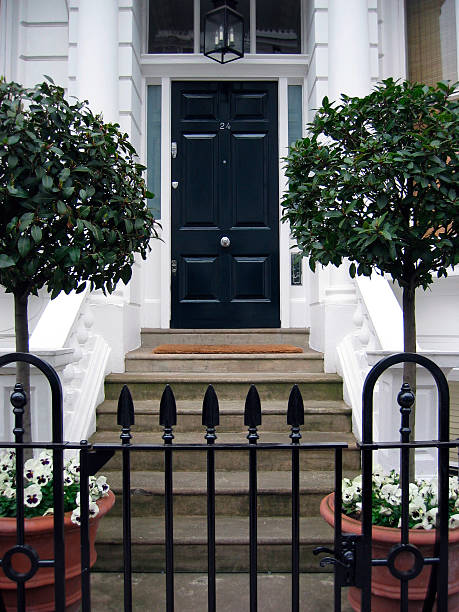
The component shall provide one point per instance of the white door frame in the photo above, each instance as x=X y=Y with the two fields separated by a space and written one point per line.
x=163 y=69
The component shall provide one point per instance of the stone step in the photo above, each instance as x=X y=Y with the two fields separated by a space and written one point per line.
x=232 y=488
x=143 y=360
x=190 y=544
x=319 y=416
x=234 y=460
x=230 y=386
x=190 y=592
x=154 y=337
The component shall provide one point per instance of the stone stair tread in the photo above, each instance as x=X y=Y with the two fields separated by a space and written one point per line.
x=229 y=530
x=193 y=406
x=222 y=377
x=195 y=483
x=146 y=353
x=232 y=331
x=314 y=437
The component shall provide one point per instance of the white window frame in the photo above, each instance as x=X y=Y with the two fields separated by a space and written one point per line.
x=253 y=30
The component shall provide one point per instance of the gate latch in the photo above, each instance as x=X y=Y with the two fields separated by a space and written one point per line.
x=345 y=565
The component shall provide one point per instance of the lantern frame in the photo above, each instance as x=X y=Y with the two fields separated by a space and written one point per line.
x=221 y=20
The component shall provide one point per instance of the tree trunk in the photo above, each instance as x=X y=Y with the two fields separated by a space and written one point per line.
x=409 y=369
x=21 y=323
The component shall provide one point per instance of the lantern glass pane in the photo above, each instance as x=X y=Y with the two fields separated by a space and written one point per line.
x=278 y=26
x=171 y=28
x=242 y=7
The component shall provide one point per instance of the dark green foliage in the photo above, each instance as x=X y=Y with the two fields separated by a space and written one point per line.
x=72 y=196
x=376 y=181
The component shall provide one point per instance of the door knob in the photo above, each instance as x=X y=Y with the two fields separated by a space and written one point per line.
x=225 y=241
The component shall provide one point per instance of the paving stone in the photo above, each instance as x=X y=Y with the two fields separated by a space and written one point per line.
x=190 y=592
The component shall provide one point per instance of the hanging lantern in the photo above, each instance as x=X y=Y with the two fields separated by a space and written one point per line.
x=224 y=32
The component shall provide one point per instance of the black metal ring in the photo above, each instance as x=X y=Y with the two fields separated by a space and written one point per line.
x=411 y=573
x=11 y=573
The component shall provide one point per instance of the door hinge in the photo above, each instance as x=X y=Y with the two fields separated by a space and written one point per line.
x=174 y=149
x=174 y=267
x=345 y=565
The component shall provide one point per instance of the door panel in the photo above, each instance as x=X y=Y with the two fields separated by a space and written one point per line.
x=199 y=202
x=226 y=168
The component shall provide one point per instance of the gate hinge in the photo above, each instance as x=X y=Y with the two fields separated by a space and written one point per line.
x=174 y=267
x=345 y=565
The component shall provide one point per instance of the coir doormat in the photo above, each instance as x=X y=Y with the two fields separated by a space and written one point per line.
x=221 y=349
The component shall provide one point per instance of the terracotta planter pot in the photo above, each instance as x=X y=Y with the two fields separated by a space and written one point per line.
x=385 y=588
x=39 y=535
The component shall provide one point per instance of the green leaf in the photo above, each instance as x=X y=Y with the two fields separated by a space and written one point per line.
x=36 y=232
x=126 y=274
x=12 y=161
x=74 y=254
x=61 y=207
x=13 y=139
x=6 y=261
x=64 y=174
x=352 y=270
x=47 y=182
x=23 y=246
x=26 y=220
x=67 y=191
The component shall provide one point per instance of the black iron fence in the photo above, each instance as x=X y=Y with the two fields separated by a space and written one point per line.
x=351 y=556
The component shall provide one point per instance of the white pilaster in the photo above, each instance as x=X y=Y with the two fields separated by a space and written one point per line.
x=97 y=73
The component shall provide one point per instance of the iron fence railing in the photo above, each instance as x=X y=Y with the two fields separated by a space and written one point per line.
x=351 y=557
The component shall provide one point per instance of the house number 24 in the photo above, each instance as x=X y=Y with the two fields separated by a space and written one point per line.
x=225 y=126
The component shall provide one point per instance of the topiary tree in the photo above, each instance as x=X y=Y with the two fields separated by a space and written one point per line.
x=72 y=200
x=376 y=182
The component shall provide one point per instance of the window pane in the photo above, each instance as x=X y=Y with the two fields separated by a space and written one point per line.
x=295 y=115
x=432 y=47
x=242 y=7
x=171 y=26
x=278 y=26
x=154 y=148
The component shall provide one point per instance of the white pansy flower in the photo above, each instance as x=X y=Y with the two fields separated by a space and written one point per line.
x=453 y=521
x=102 y=485
x=32 y=496
x=9 y=492
x=93 y=509
x=417 y=508
x=349 y=494
x=430 y=518
x=76 y=516
x=45 y=459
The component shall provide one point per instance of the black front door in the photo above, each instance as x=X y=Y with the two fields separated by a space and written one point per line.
x=225 y=205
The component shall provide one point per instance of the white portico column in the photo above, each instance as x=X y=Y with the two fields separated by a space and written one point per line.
x=116 y=317
x=97 y=74
x=349 y=73
x=348 y=48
